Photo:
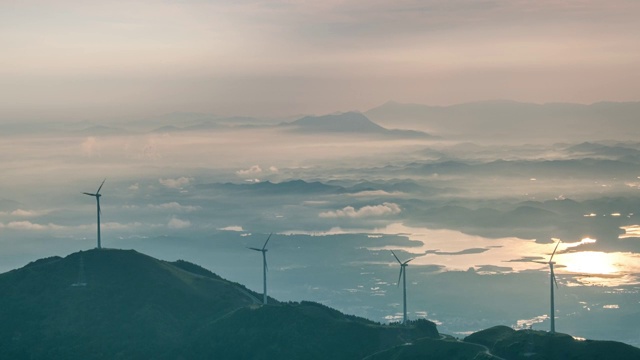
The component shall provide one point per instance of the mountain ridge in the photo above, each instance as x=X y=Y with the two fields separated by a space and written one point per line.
x=347 y=123
x=513 y=120
x=110 y=304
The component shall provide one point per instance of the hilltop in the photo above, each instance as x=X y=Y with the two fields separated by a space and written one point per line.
x=120 y=304
x=108 y=304
x=532 y=344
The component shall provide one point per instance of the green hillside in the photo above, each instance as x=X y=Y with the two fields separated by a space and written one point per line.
x=540 y=345
x=111 y=304
x=117 y=304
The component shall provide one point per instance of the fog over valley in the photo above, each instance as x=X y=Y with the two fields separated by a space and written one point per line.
x=339 y=192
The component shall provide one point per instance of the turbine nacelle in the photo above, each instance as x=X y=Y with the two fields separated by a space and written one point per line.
x=400 y=262
x=97 y=194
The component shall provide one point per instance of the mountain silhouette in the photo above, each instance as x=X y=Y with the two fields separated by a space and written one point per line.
x=120 y=304
x=533 y=344
x=110 y=304
x=348 y=123
x=509 y=120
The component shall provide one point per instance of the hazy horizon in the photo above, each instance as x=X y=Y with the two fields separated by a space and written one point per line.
x=281 y=58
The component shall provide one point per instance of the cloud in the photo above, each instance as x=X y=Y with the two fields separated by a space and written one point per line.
x=465 y=38
x=376 y=193
x=255 y=169
x=232 y=228
x=330 y=232
x=176 y=223
x=365 y=211
x=89 y=146
x=174 y=206
x=28 y=225
x=119 y=226
x=25 y=213
x=176 y=183
x=134 y=187
x=315 y=202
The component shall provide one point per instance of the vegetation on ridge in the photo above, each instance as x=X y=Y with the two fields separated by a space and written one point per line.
x=117 y=304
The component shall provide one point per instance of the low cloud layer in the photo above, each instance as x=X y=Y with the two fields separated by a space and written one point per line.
x=232 y=228
x=174 y=206
x=256 y=170
x=176 y=223
x=26 y=213
x=365 y=211
x=178 y=183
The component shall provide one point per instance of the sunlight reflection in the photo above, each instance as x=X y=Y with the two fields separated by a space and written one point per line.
x=528 y=323
x=590 y=262
x=584 y=241
x=452 y=251
x=630 y=231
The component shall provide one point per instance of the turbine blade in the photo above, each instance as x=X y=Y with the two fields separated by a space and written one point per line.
x=252 y=248
x=540 y=262
x=554 y=250
x=265 y=243
x=400 y=275
x=553 y=276
x=394 y=255
x=406 y=262
x=86 y=193
x=98 y=192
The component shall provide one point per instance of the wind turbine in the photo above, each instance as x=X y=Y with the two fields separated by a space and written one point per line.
x=403 y=275
x=552 y=280
x=97 y=196
x=264 y=267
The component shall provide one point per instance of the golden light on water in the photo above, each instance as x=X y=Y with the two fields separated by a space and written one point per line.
x=630 y=231
x=513 y=255
x=590 y=262
x=584 y=241
x=600 y=268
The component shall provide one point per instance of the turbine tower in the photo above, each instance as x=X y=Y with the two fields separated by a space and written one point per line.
x=97 y=196
x=403 y=275
x=552 y=281
x=264 y=267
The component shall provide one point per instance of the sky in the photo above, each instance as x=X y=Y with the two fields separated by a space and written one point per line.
x=120 y=59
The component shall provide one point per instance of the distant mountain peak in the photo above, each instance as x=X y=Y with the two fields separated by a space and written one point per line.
x=351 y=122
